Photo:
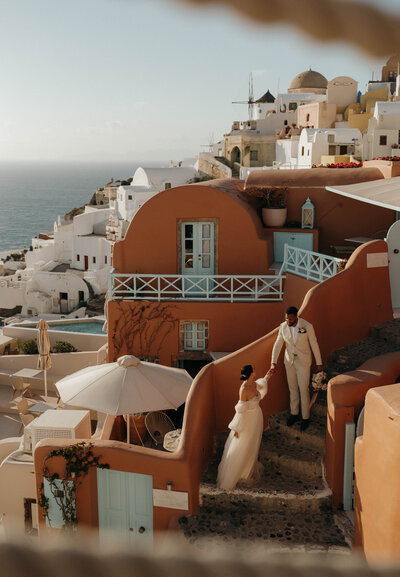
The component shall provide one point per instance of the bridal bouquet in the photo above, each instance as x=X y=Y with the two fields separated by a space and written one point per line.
x=319 y=381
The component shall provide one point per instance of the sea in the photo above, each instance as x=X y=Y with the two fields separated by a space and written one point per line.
x=33 y=194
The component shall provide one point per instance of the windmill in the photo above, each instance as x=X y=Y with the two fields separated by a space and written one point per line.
x=211 y=142
x=250 y=102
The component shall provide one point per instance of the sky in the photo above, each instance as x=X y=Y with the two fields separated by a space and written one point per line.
x=137 y=80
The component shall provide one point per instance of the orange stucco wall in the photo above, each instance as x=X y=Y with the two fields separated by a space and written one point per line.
x=338 y=217
x=362 y=301
x=377 y=476
x=151 y=242
x=341 y=309
x=346 y=397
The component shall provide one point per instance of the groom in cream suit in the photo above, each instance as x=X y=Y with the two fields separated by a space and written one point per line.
x=300 y=340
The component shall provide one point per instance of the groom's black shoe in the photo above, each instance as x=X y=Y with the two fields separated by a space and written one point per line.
x=291 y=420
x=304 y=424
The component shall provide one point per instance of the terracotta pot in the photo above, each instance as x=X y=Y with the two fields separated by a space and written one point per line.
x=274 y=217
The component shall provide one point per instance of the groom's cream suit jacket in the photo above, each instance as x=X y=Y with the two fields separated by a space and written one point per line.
x=300 y=350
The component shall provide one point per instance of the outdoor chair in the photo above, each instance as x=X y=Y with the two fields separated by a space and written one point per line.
x=158 y=424
x=25 y=420
x=23 y=407
x=19 y=385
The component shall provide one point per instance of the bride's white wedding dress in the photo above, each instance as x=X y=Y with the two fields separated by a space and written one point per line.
x=240 y=453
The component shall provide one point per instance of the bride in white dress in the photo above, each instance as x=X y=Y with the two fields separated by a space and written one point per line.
x=239 y=459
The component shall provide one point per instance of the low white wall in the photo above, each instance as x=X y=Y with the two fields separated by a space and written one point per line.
x=17 y=482
x=62 y=364
x=11 y=297
x=82 y=341
x=8 y=446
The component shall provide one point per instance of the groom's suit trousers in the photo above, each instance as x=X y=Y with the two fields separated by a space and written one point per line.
x=298 y=378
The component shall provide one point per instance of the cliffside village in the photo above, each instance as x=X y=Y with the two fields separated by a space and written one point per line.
x=197 y=263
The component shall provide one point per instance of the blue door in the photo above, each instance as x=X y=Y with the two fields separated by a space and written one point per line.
x=125 y=502
x=197 y=256
x=296 y=239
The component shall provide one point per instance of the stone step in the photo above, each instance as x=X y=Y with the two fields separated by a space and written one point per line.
x=313 y=437
x=260 y=498
x=292 y=459
x=355 y=354
x=283 y=527
x=388 y=331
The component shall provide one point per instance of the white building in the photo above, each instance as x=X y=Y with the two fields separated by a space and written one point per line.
x=146 y=183
x=315 y=143
x=78 y=253
x=383 y=131
x=43 y=292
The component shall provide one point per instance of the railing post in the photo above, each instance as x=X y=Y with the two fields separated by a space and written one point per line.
x=159 y=288
x=111 y=281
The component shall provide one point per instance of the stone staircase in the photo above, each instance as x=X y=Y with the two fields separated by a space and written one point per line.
x=383 y=338
x=290 y=505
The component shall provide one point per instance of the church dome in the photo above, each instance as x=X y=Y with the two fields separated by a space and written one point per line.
x=309 y=80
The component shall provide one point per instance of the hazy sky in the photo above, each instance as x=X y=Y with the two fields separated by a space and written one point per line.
x=136 y=80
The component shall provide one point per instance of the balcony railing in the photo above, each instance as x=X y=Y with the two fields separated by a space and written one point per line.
x=212 y=288
x=310 y=265
x=218 y=288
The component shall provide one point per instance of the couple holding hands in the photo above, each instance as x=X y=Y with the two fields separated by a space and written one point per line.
x=239 y=460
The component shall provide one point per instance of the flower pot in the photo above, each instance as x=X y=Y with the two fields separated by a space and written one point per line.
x=274 y=217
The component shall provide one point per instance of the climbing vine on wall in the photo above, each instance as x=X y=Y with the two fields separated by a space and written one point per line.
x=79 y=459
x=143 y=328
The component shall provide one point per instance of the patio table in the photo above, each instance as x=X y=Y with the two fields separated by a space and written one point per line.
x=42 y=407
x=27 y=373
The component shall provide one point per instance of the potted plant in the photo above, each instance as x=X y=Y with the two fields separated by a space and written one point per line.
x=274 y=206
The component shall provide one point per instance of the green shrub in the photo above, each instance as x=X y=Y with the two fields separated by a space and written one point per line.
x=63 y=347
x=28 y=347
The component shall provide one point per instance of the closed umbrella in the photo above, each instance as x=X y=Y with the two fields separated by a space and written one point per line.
x=126 y=386
x=105 y=325
x=43 y=343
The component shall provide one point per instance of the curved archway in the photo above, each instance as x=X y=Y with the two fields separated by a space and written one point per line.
x=235 y=154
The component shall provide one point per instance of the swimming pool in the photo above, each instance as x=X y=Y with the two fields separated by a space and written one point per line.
x=88 y=327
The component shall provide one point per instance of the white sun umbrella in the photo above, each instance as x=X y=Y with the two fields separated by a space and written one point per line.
x=126 y=386
x=43 y=343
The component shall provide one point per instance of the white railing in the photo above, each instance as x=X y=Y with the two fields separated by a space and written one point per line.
x=201 y=288
x=310 y=265
x=232 y=288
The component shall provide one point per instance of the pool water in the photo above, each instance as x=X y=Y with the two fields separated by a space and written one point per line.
x=89 y=327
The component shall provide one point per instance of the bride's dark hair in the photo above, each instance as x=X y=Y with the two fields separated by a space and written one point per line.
x=245 y=372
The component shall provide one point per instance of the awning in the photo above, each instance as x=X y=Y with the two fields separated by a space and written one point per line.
x=384 y=193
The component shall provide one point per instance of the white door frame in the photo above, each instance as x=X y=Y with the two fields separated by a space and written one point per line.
x=393 y=242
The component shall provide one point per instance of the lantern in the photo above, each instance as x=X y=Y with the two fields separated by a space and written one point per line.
x=307 y=214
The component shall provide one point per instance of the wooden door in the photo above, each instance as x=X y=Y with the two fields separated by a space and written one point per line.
x=125 y=502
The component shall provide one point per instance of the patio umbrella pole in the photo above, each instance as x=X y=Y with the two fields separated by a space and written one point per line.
x=45 y=385
x=136 y=429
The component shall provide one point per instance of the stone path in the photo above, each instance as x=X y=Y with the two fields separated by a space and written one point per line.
x=290 y=505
